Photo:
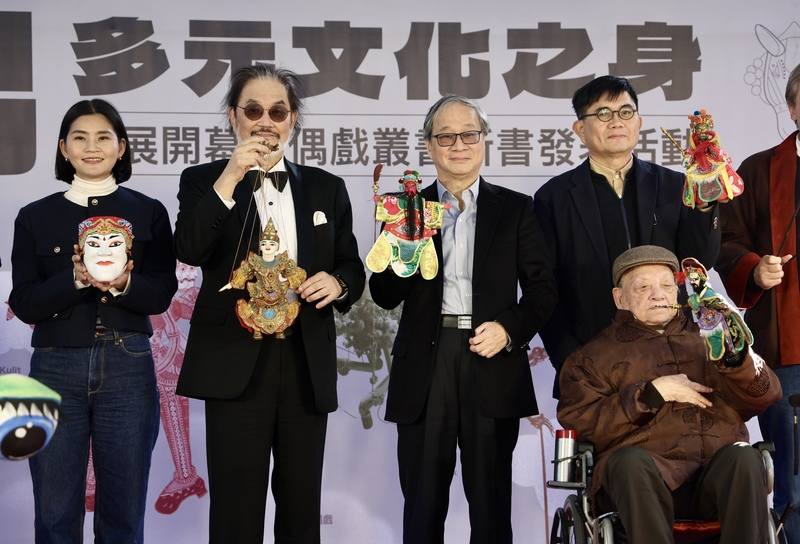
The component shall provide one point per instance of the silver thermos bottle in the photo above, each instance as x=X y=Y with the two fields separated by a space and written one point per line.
x=566 y=444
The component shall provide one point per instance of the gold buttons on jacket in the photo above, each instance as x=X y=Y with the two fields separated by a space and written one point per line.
x=95 y=202
x=57 y=249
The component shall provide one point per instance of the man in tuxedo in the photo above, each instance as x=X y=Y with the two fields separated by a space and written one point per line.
x=612 y=202
x=270 y=395
x=460 y=373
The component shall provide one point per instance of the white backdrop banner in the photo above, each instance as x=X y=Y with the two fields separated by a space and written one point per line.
x=371 y=70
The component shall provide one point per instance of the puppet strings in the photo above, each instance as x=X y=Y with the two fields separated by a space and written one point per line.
x=788 y=227
x=376 y=176
x=257 y=183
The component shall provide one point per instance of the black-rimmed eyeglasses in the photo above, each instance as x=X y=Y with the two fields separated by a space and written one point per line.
x=605 y=115
x=469 y=137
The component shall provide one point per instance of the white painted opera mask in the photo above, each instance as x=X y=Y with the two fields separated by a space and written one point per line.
x=105 y=243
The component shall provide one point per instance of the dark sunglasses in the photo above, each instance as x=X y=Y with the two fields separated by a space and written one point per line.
x=254 y=112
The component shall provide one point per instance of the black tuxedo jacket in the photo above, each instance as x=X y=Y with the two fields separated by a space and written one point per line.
x=570 y=216
x=509 y=251
x=220 y=353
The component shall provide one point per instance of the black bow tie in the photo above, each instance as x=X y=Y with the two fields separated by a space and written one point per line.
x=279 y=179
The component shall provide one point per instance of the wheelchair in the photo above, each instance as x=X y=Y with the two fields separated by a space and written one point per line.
x=574 y=523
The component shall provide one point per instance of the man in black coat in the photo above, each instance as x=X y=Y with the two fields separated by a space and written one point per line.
x=460 y=372
x=271 y=395
x=611 y=202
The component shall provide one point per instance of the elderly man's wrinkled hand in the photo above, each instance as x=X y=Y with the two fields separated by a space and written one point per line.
x=679 y=388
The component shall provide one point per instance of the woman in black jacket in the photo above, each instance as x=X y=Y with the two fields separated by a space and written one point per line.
x=90 y=337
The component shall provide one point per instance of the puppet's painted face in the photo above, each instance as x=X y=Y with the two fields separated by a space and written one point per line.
x=105 y=242
x=695 y=272
x=411 y=187
x=28 y=416
x=269 y=247
x=105 y=255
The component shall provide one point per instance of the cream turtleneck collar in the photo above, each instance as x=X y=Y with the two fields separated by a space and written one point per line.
x=81 y=190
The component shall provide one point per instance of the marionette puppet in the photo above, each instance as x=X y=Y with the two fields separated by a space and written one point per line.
x=406 y=241
x=28 y=416
x=710 y=176
x=268 y=278
x=104 y=244
x=720 y=322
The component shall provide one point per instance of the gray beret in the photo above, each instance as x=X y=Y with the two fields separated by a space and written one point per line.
x=640 y=255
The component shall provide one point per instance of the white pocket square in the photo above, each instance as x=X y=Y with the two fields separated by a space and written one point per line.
x=319 y=218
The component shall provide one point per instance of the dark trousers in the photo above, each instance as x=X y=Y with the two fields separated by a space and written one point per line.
x=108 y=394
x=730 y=488
x=275 y=414
x=777 y=425
x=426 y=452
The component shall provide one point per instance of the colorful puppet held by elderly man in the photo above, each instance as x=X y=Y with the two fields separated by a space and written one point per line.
x=268 y=278
x=720 y=323
x=406 y=241
x=710 y=176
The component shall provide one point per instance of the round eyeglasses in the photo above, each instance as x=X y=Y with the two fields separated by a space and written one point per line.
x=605 y=115
x=254 y=112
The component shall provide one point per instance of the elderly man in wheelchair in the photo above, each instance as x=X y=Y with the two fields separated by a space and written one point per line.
x=666 y=414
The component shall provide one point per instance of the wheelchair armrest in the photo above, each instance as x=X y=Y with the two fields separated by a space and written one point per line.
x=584 y=454
x=764 y=445
x=586 y=451
x=765 y=448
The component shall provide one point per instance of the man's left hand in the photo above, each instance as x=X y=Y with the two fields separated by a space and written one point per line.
x=490 y=337
x=320 y=287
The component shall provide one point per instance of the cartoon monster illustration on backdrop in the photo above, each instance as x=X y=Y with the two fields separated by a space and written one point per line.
x=28 y=416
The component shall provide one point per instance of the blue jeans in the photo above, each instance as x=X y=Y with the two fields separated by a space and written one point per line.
x=777 y=425
x=108 y=394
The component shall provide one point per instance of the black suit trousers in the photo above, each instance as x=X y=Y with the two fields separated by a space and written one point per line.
x=427 y=453
x=275 y=414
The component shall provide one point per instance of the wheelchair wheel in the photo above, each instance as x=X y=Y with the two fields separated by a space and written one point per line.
x=773 y=526
x=558 y=523
x=573 y=530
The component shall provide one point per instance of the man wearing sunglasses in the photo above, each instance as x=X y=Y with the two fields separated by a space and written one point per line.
x=612 y=202
x=267 y=396
x=460 y=373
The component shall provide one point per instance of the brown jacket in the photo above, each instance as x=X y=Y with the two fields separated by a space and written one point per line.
x=753 y=225
x=605 y=396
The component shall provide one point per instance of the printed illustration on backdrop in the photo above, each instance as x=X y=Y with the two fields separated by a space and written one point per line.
x=768 y=73
x=367 y=332
x=28 y=416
